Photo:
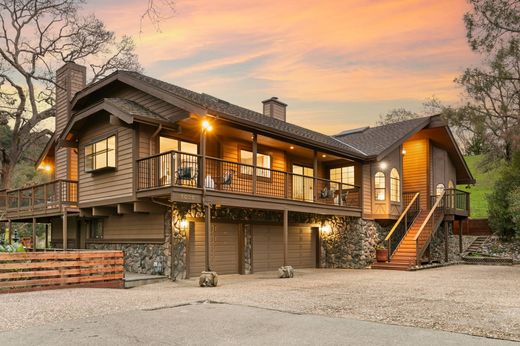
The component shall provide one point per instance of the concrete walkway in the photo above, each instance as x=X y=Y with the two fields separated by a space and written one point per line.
x=224 y=324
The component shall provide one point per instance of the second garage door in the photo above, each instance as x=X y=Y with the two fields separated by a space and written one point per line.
x=268 y=247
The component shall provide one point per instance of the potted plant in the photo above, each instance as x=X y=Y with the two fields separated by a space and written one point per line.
x=381 y=253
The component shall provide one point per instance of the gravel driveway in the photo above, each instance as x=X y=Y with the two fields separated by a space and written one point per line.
x=477 y=300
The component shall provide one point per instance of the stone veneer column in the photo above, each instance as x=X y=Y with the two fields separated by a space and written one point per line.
x=248 y=249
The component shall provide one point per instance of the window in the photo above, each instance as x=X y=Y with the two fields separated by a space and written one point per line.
x=101 y=154
x=169 y=144
x=395 y=186
x=343 y=174
x=263 y=162
x=439 y=189
x=182 y=166
x=380 y=186
x=303 y=183
x=95 y=228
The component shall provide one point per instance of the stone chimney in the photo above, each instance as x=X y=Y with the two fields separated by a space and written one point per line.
x=275 y=108
x=70 y=78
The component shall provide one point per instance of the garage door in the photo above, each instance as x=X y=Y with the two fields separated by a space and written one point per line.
x=224 y=246
x=268 y=247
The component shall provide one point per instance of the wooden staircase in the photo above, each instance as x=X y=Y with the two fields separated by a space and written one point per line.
x=415 y=241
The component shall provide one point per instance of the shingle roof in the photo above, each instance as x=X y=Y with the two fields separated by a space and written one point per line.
x=133 y=108
x=375 y=140
x=228 y=110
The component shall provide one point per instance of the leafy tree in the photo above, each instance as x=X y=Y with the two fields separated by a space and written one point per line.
x=492 y=109
x=504 y=211
x=36 y=36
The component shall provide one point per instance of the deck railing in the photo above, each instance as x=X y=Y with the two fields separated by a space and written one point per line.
x=54 y=194
x=406 y=219
x=175 y=168
x=454 y=200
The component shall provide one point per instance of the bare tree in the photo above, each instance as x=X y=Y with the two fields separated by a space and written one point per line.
x=36 y=36
x=158 y=11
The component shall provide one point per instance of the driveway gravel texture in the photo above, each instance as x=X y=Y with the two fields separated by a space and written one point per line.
x=475 y=300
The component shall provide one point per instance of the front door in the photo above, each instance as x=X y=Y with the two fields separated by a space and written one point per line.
x=302 y=185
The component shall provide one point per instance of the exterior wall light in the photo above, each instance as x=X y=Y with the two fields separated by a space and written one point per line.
x=403 y=151
x=183 y=224
x=325 y=229
x=207 y=126
x=383 y=165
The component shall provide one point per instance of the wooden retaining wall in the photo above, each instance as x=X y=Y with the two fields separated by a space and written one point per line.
x=477 y=227
x=30 y=271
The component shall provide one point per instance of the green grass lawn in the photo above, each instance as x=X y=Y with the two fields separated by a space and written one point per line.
x=484 y=185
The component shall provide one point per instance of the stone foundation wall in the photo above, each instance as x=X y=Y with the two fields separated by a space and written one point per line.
x=248 y=249
x=350 y=243
x=144 y=258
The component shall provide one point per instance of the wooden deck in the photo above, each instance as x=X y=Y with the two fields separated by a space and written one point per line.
x=38 y=201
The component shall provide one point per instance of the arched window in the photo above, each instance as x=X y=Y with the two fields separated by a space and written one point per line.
x=380 y=186
x=439 y=189
x=395 y=186
x=451 y=185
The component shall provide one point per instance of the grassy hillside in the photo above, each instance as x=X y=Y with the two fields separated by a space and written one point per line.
x=484 y=185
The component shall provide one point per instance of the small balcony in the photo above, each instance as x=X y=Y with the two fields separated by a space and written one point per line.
x=455 y=202
x=39 y=200
x=182 y=170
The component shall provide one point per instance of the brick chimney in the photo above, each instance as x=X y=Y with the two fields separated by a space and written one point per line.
x=70 y=78
x=275 y=108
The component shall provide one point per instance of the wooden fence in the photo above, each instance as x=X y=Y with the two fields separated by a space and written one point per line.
x=30 y=271
x=476 y=227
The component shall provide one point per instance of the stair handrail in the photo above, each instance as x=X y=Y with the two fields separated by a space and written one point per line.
x=403 y=214
x=426 y=220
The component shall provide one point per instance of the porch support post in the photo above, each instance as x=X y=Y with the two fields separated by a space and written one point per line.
x=460 y=236
x=446 y=246
x=285 y=237
x=255 y=151
x=65 y=230
x=46 y=235
x=34 y=234
x=202 y=174
x=10 y=227
x=207 y=229
x=315 y=174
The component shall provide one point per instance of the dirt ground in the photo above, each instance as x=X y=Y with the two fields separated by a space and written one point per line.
x=476 y=300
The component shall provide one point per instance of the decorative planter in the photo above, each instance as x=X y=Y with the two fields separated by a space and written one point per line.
x=382 y=255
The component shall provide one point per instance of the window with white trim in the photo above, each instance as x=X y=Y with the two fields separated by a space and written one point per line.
x=380 y=186
x=395 y=186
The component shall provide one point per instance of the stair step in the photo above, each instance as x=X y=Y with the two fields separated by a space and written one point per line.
x=387 y=266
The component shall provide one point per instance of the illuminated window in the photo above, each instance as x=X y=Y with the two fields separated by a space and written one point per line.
x=395 y=186
x=343 y=174
x=263 y=162
x=439 y=189
x=101 y=154
x=380 y=186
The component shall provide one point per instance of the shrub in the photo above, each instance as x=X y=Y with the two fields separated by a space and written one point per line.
x=504 y=207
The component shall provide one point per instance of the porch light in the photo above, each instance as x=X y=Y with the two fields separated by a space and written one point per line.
x=323 y=155
x=383 y=165
x=183 y=224
x=325 y=229
x=206 y=126
x=291 y=147
x=403 y=151
x=45 y=167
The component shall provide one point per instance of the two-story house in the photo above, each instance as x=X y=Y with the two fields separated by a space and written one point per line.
x=183 y=181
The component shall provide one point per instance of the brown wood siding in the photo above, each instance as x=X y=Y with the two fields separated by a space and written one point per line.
x=57 y=233
x=147 y=147
x=110 y=184
x=133 y=226
x=442 y=169
x=415 y=168
x=61 y=163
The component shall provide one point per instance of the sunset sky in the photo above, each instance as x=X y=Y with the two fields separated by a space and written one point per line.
x=338 y=64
